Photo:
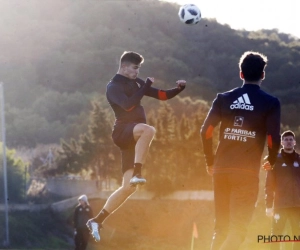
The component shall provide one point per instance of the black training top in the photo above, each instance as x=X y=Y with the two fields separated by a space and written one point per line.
x=81 y=216
x=282 y=187
x=124 y=96
x=247 y=116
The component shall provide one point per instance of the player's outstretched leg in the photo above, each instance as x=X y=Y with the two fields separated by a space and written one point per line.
x=114 y=201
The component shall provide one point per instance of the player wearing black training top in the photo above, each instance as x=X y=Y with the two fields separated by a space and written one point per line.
x=247 y=116
x=282 y=191
x=130 y=133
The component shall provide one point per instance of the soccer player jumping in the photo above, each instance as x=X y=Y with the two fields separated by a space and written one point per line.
x=130 y=132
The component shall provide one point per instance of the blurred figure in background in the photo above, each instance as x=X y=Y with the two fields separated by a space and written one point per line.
x=282 y=190
x=82 y=214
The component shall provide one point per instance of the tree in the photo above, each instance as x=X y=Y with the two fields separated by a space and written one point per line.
x=175 y=159
x=93 y=152
x=67 y=58
x=97 y=149
x=16 y=177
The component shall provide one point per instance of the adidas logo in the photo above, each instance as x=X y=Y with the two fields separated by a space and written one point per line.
x=243 y=102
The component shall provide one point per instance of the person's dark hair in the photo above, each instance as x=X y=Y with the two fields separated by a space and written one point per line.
x=131 y=57
x=287 y=133
x=252 y=64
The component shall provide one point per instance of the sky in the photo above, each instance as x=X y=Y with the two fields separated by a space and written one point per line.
x=252 y=14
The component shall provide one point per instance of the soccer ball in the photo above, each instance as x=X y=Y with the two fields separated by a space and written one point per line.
x=189 y=14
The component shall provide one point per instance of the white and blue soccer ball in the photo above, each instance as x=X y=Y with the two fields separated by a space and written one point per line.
x=189 y=14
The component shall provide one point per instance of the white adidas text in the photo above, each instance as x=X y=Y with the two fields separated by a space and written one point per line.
x=243 y=102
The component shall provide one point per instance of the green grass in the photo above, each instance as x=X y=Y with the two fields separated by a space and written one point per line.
x=36 y=230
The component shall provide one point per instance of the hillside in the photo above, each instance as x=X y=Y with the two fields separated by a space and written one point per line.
x=57 y=56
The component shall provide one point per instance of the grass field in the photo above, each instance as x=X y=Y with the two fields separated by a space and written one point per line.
x=167 y=225
x=157 y=224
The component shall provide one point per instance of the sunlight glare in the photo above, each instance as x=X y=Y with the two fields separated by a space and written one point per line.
x=260 y=14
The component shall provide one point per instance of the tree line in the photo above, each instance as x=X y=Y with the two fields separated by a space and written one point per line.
x=57 y=57
x=175 y=159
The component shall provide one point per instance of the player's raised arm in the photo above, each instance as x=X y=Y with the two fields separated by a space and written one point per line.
x=166 y=94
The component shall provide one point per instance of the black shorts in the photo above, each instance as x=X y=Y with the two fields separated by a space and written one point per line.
x=123 y=137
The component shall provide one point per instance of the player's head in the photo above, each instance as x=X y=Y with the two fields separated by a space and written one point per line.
x=288 y=141
x=252 y=66
x=130 y=63
x=83 y=200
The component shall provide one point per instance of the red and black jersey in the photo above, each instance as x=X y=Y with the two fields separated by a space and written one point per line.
x=124 y=96
x=247 y=116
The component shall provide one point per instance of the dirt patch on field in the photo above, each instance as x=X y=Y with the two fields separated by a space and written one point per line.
x=167 y=225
